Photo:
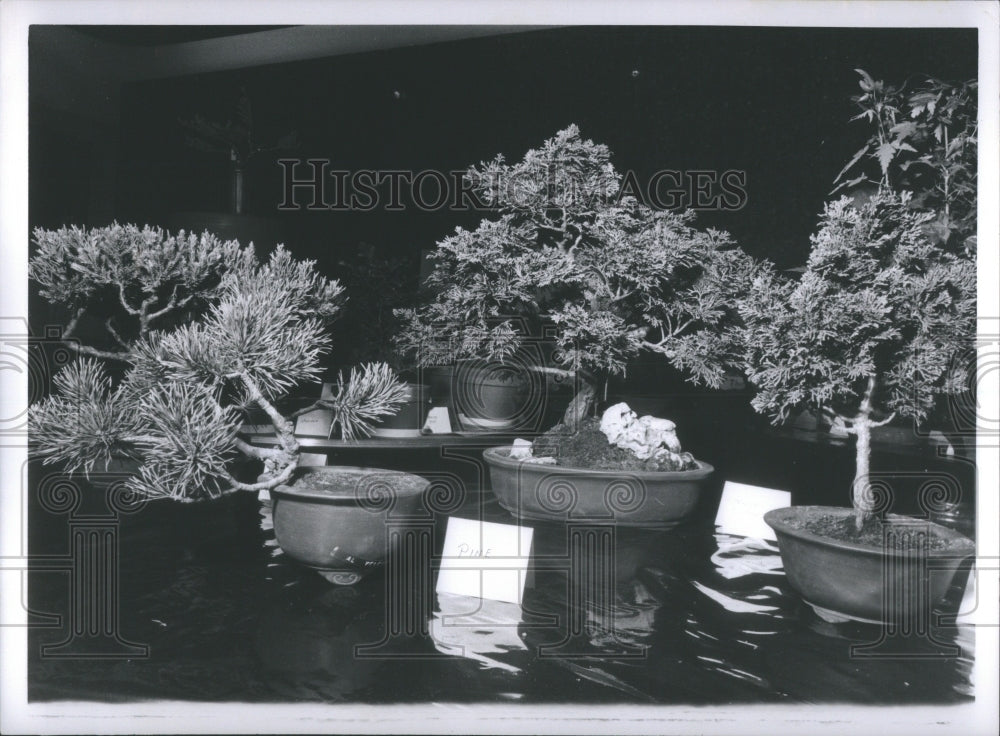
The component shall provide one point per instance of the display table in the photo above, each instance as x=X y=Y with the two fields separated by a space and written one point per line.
x=639 y=617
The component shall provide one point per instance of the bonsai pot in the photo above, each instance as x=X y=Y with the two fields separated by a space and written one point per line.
x=410 y=418
x=845 y=580
x=490 y=396
x=334 y=519
x=558 y=493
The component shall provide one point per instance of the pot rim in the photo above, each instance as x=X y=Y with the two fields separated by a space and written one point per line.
x=776 y=519
x=416 y=485
x=493 y=455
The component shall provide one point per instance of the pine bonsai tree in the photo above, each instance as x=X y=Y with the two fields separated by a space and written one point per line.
x=568 y=249
x=871 y=330
x=185 y=389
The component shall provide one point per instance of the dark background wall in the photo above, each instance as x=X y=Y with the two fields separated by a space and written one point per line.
x=773 y=102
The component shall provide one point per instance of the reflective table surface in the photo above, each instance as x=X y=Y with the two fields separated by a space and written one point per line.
x=206 y=607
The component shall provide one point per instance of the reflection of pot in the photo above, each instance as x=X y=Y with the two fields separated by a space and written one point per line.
x=553 y=492
x=410 y=417
x=334 y=519
x=601 y=599
x=845 y=580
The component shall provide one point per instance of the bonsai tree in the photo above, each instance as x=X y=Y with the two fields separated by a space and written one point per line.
x=179 y=404
x=567 y=248
x=923 y=140
x=870 y=330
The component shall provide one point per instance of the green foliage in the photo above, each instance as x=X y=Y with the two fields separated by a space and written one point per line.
x=179 y=407
x=923 y=140
x=878 y=302
x=567 y=249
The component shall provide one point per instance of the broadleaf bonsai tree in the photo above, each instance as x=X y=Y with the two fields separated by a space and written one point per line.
x=185 y=389
x=924 y=139
x=872 y=328
x=567 y=249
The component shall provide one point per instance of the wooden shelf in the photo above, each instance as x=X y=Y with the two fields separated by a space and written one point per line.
x=460 y=439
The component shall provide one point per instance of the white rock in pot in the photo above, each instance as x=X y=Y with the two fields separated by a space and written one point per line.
x=644 y=436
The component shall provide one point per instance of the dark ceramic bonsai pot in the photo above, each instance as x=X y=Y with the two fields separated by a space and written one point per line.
x=557 y=493
x=844 y=580
x=334 y=519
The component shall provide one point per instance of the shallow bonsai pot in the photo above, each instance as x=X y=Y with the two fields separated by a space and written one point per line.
x=557 y=493
x=412 y=413
x=334 y=518
x=843 y=580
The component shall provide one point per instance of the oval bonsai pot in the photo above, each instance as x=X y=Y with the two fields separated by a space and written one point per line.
x=410 y=418
x=844 y=580
x=334 y=518
x=560 y=493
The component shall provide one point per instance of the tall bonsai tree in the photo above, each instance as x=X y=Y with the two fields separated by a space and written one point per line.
x=179 y=405
x=871 y=330
x=567 y=248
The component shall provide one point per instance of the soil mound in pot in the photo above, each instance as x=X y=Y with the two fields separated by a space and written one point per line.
x=588 y=448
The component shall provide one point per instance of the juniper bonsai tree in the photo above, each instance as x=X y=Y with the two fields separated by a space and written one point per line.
x=871 y=330
x=185 y=389
x=567 y=248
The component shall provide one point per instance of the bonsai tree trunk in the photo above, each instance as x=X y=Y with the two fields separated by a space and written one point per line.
x=580 y=405
x=861 y=426
x=861 y=495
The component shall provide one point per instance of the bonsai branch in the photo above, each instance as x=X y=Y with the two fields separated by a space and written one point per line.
x=319 y=404
x=171 y=305
x=265 y=485
x=258 y=453
x=553 y=371
x=72 y=344
x=124 y=301
x=284 y=428
x=114 y=333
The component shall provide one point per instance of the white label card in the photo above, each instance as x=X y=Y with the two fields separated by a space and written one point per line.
x=486 y=560
x=438 y=421
x=742 y=509
x=315 y=423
